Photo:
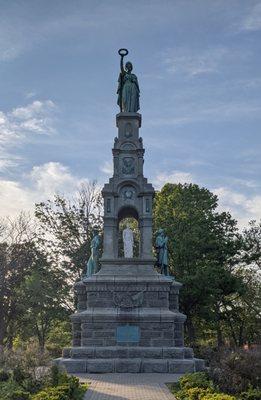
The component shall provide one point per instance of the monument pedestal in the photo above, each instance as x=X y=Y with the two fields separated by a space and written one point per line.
x=128 y=321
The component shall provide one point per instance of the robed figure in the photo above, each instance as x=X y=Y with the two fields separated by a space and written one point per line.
x=128 y=242
x=128 y=88
x=93 y=262
x=162 y=252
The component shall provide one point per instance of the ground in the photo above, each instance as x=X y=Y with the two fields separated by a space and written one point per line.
x=128 y=386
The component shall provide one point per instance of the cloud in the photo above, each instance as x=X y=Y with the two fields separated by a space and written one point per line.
x=41 y=184
x=220 y=111
x=22 y=122
x=107 y=168
x=199 y=62
x=253 y=21
x=243 y=208
x=173 y=177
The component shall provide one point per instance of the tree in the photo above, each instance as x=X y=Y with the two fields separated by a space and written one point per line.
x=16 y=256
x=67 y=228
x=243 y=316
x=203 y=245
x=43 y=296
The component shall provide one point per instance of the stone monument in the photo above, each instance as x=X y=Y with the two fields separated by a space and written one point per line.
x=128 y=317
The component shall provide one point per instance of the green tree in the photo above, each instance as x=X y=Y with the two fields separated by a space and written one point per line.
x=203 y=245
x=243 y=316
x=66 y=228
x=44 y=298
x=16 y=258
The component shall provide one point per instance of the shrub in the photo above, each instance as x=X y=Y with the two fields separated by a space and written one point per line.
x=197 y=393
x=7 y=388
x=19 y=375
x=19 y=395
x=194 y=393
x=54 y=393
x=251 y=394
x=218 y=396
x=236 y=370
x=4 y=376
x=59 y=337
x=29 y=358
x=197 y=379
x=62 y=392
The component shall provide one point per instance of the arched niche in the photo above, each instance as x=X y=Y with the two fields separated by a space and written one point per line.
x=128 y=216
x=128 y=212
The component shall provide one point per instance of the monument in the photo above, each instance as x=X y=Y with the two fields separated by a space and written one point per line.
x=128 y=317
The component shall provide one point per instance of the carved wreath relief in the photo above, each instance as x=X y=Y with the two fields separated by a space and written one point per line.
x=127 y=300
x=128 y=193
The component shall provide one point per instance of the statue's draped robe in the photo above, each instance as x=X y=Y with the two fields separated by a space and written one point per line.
x=161 y=245
x=92 y=264
x=129 y=92
x=128 y=242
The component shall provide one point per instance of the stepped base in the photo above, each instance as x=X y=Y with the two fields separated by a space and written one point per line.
x=176 y=360
x=131 y=365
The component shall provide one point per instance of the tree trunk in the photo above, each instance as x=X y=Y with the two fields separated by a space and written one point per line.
x=191 y=331
x=220 y=341
x=2 y=324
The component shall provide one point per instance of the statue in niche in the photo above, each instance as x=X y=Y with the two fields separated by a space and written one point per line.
x=128 y=242
x=93 y=262
x=162 y=252
x=128 y=166
x=128 y=87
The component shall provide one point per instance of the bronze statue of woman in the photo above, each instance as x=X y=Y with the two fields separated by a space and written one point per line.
x=128 y=88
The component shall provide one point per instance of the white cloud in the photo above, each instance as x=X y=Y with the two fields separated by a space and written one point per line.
x=53 y=177
x=107 y=168
x=221 y=111
x=253 y=21
x=195 y=63
x=21 y=122
x=42 y=183
x=243 y=208
x=173 y=177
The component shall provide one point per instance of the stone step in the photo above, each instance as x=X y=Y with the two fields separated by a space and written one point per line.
x=133 y=365
x=123 y=352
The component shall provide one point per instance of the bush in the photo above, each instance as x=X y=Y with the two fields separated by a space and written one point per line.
x=7 y=389
x=4 y=376
x=197 y=393
x=54 y=393
x=218 y=396
x=59 y=337
x=195 y=380
x=19 y=375
x=236 y=370
x=62 y=392
x=19 y=395
x=251 y=394
x=194 y=393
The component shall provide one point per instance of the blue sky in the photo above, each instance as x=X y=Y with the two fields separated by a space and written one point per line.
x=198 y=65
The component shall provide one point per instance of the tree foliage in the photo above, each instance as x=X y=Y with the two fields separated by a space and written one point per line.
x=205 y=249
x=67 y=227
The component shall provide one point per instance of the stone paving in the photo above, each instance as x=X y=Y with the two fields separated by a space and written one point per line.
x=128 y=386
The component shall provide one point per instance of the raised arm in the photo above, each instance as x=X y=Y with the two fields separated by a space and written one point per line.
x=122 y=68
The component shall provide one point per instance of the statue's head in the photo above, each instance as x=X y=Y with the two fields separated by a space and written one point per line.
x=128 y=66
x=161 y=231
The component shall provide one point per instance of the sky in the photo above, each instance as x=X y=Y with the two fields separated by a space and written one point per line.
x=198 y=63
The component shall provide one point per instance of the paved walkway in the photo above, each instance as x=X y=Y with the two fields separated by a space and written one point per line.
x=128 y=386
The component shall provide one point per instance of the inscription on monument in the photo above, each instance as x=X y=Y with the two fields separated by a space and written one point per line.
x=128 y=333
